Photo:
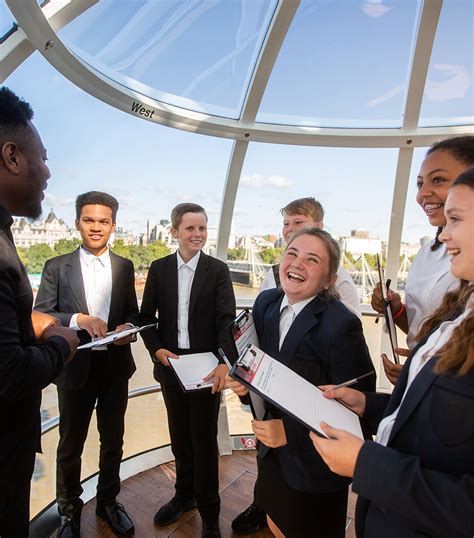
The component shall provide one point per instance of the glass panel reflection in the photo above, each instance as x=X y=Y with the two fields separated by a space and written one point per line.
x=344 y=63
x=198 y=55
x=449 y=98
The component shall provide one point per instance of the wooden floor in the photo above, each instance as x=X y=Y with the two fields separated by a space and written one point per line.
x=144 y=493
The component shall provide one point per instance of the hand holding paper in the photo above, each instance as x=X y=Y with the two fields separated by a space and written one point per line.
x=339 y=451
x=236 y=387
x=270 y=432
x=351 y=398
x=163 y=355
x=218 y=376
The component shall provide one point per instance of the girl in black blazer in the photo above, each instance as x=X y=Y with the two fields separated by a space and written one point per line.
x=324 y=343
x=417 y=478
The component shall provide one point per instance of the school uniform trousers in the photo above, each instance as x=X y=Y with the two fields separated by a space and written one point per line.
x=192 y=416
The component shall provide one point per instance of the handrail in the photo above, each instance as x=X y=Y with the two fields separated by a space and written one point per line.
x=52 y=423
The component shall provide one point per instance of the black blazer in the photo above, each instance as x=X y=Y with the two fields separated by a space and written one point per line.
x=211 y=308
x=61 y=293
x=26 y=367
x=422 y=485
x=325 y=344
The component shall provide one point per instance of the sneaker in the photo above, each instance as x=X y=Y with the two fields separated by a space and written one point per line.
x=250 y=520
x=172 y=510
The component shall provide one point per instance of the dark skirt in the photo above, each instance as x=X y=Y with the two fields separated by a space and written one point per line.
x=298 y=514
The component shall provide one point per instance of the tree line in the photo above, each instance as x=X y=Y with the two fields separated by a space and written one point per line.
x=142 y=256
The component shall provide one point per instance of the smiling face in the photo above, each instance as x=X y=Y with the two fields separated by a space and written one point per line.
x=95 y=225
x=458 y=234
x=292 y=223
x=437 y=173
x=191 y=234
x=305 y=268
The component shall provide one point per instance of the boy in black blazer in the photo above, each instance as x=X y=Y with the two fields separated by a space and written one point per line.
x=92 y=290
x=193 y=295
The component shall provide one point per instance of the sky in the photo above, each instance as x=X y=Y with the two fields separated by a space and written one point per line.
x=203 y=57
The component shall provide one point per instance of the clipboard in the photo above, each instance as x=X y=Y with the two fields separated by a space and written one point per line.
x=276 y=383
x=115 y=335
x=387 y=312
x=243 y=333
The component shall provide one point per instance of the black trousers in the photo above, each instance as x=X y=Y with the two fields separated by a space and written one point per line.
x=15 y=511
x=192 y=422
x=75 y=411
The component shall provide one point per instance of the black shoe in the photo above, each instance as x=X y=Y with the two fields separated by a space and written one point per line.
x=70 y=526
x=250 y=520
x=116 y=517
x=172 y=510
x=211 y=530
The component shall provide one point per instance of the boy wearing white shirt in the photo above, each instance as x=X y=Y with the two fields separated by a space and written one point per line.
x=193 y=296
x=92 y=291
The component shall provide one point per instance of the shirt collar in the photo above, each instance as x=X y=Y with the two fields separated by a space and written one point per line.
x=88 y=258
x=297 y=307
x=192 y=263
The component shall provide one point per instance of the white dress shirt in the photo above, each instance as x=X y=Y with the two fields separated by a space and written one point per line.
x=428 y=281
x=288 y=314
x=186 y=272
x=344 y=286
x=435 y=342
x=97 y=278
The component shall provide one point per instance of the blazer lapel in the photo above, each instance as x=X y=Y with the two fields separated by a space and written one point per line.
x=171 y=276
x=271 y=328
x=420 y=385
x=198 y=281
x=306 y=320
x=76 y=283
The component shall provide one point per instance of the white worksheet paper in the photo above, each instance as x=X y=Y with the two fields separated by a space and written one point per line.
x=296 y=395
x=192 y=369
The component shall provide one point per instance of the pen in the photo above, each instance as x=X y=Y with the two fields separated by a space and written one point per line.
x=352 y=381
x=387 y=285
x=224 y=358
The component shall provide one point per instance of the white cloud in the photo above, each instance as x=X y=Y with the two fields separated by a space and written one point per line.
x=387 y=96
x=457 y=82
x=258 y=181
x=455 y=85
x=375 y=8
x=53 y=200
